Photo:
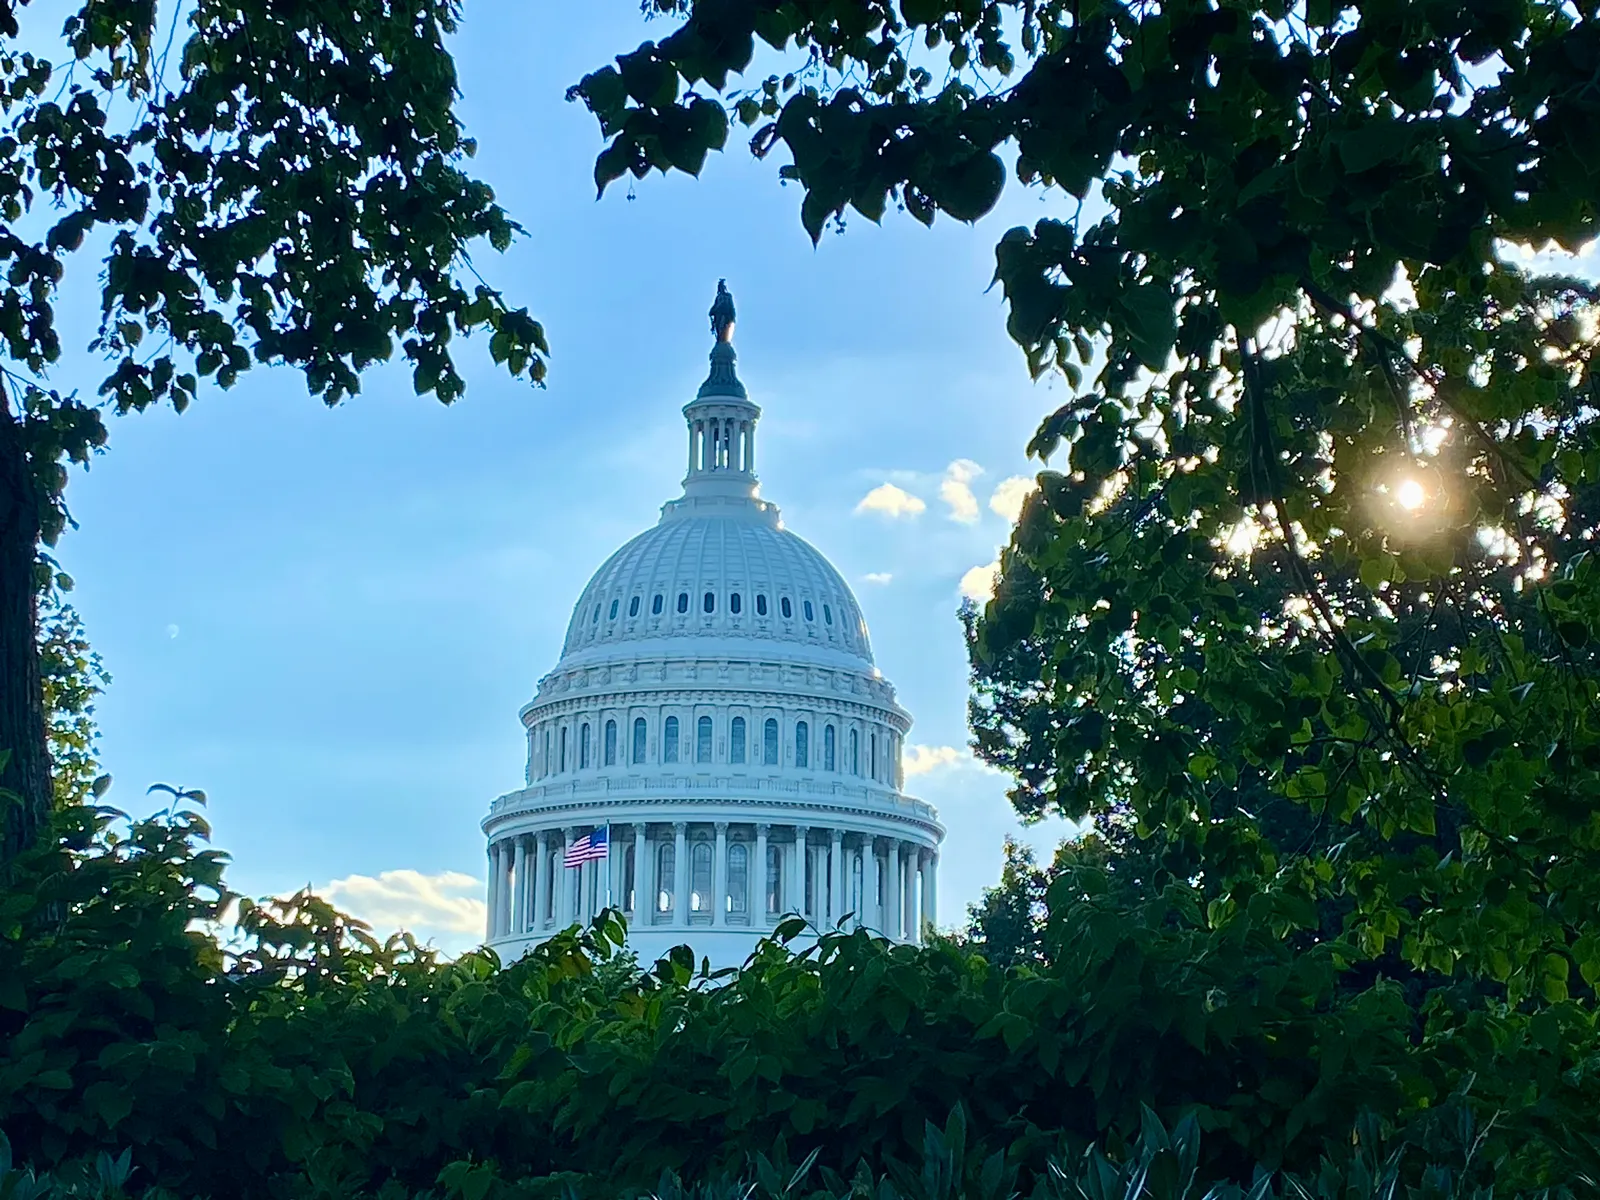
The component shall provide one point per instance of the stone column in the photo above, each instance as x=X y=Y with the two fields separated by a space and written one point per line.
x=492 y=894
x=798 y=885
x=758 y=906
x=930 y=890
x=519 y=886
x=819 y=888
x=680 y=871
x=719 y=877
x=537 y=880
x=564 y=897
x=891 y=893
x=838 y=902
x=869 y=914
x=909 y=920
x=639 y=894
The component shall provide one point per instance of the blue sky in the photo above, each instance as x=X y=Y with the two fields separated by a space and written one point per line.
x=328 y=619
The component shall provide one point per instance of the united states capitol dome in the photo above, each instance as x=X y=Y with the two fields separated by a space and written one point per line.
x=715 y=748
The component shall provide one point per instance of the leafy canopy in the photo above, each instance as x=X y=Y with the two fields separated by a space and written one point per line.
x=1320 y=529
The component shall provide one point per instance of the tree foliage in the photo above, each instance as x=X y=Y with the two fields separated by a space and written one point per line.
x=286 y=184
x=1321 y=527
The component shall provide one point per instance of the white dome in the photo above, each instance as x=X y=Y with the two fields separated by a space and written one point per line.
x=714 y=584
x=717 y=724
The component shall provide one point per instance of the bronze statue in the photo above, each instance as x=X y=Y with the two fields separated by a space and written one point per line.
x=722 y=313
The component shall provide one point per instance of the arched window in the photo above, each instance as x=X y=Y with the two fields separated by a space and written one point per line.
x=669 y=740
x=810 y=616
x=802 y=745
x=786 y=608
x=552 y=871
x=827 y=748
x=827 y=614
x=545 y=762
x=611 y=744
x=583 y=747
x=638 y=739
x=874 y=744
x=735 y=603
x=736 y=740
x=563 y=765
x=683 y=602
x=855 y=753
x=738 y=878
x=702 y=740
x=709 y=602
x=769 y=742
x=761 y=604
x=700 y=877
x=774 y=899
x=612 y=616
x=666 y=853
x=655 y=605
x=633 y=607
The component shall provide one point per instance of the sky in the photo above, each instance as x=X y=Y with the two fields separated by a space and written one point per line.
x=328 y=618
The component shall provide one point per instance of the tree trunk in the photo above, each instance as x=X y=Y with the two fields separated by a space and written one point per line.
x=22 y=723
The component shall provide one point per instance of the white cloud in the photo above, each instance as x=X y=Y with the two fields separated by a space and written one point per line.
x=919 y=760
x=956 y=490
x=891 y=501
x=1009 y=495
x=978 y=583
x=448 y=902
x=877 y=577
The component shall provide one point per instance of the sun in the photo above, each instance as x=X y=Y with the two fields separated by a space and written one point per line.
x=1410 y=495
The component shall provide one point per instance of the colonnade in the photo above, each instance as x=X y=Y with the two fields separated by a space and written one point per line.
x=722 y=444
x=715 y=874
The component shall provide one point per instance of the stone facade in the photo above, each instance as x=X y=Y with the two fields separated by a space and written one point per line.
x=717 y=709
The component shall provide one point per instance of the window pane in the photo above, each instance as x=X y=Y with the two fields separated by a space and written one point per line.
x=735 y=603
x=664 y=870
x=702 y=740
x=736 y=741
x=612 y=615
x=786 y=608
x=802 y=745
x=738 y=877
x=683 y=602
x=611 y=743
x=563 y=765
x=874 y=756
x=633 y=607
x=827 y=748
x=655 y=605
x=855 y=753
x=583 y=747
x=709 y=603
x=808 y=612
x=769 y=743
x=638 y=739
x=595 y=620
x=761 y=605
x=827 y=614
x=700 y=880
x=774 y=879
x=669 y=741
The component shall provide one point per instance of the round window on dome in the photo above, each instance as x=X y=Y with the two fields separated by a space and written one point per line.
x=809 y=614
x=633 y=607
x=683 y=602
x=786 y=608
x=827 y=614
x=655 y=605
x=613 y=614
x=761 y=604
x=709 y=603
x=735 y=603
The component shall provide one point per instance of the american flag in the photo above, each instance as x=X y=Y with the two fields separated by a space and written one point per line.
x=591 y=847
